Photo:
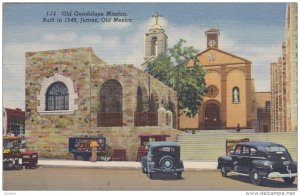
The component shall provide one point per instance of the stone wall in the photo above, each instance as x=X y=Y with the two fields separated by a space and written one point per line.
x=48 y=131
x=53 y=143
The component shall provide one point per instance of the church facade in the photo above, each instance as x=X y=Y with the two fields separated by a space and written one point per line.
x=230 y=98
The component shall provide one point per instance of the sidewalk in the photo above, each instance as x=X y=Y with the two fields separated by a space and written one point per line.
x=188 y=165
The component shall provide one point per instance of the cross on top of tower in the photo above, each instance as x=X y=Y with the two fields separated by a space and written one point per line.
x=156 y=17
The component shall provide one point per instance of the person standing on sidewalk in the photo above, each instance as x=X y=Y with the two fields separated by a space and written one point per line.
x=238 y=128
x=94 y=145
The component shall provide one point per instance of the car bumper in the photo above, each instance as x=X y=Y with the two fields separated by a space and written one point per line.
x=280 y=175
x=166 y=170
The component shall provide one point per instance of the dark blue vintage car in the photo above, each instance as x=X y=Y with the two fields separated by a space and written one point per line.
x=259 y=160
x=162 y=157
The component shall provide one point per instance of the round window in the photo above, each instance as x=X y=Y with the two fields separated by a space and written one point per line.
x=212 y=91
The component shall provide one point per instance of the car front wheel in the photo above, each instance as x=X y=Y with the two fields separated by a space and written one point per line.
x=255 y=177
x=223 y=171
x=289 y=180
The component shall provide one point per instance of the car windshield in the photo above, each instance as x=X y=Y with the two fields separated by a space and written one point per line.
x=276 y=149
x=165 y=150
x=278 y=153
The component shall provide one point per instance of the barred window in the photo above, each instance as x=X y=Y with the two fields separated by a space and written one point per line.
x=111 y=97
x=57 y=97
x=111 y=110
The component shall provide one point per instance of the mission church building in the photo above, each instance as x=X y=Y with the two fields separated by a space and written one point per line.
x=230 y=98
x=72 y=92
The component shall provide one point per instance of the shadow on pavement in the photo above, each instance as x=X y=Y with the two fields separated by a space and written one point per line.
x=266 y=183
x=166 y=177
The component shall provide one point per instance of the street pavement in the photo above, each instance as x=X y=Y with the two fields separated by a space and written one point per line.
x=96 y=179
x=188 y=165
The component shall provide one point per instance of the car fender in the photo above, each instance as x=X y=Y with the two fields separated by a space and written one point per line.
x=181 y=164
x=144 y=161
x=224 y=160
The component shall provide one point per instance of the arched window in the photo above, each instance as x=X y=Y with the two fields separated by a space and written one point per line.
x=141 y=114
x=139 y=100
x=46 y=107
x=153 y=107
x=235 y=94
x=111 y=110
x=154 y=46
x=57 y=97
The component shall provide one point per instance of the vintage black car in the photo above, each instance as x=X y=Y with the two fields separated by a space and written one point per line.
x=162 y=157
x=260 y=160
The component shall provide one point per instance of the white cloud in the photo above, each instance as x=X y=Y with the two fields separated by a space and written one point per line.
x=261 y=56
x=61 y=37
x=119 y=49
x=91 y=39
x=14 y=59
x=115 y=25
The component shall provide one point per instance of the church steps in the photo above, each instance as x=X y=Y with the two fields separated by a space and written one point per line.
x=208 y=146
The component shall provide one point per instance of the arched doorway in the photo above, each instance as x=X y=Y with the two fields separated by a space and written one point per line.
x=212 y=116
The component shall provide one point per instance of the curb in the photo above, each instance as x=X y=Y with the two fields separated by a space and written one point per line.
x=89 y=167
x=188 y=165
x=116 y=167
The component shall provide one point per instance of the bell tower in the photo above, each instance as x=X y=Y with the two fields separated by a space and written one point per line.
x=155 y=40
x=212 y=36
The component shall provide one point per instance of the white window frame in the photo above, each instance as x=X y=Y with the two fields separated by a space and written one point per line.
x=45 y=84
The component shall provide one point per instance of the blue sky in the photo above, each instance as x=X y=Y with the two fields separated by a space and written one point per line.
x=254 y=31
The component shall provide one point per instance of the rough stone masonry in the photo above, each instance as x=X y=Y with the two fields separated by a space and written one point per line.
x=84 y=74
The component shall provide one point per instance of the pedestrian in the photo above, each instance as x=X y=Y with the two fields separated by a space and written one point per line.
x=94 y=145
x=238 y=128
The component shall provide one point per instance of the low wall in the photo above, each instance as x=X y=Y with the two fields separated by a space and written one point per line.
x=54 y=143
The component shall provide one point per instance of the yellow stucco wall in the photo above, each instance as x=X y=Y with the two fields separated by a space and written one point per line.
x=226 y=70
x=236 y=112
x=213 y=78
x=188 y=123
x=215 y=57
x=261 y=98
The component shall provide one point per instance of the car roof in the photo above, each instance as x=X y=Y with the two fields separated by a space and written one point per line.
x=163 y=143
x=261 y=145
